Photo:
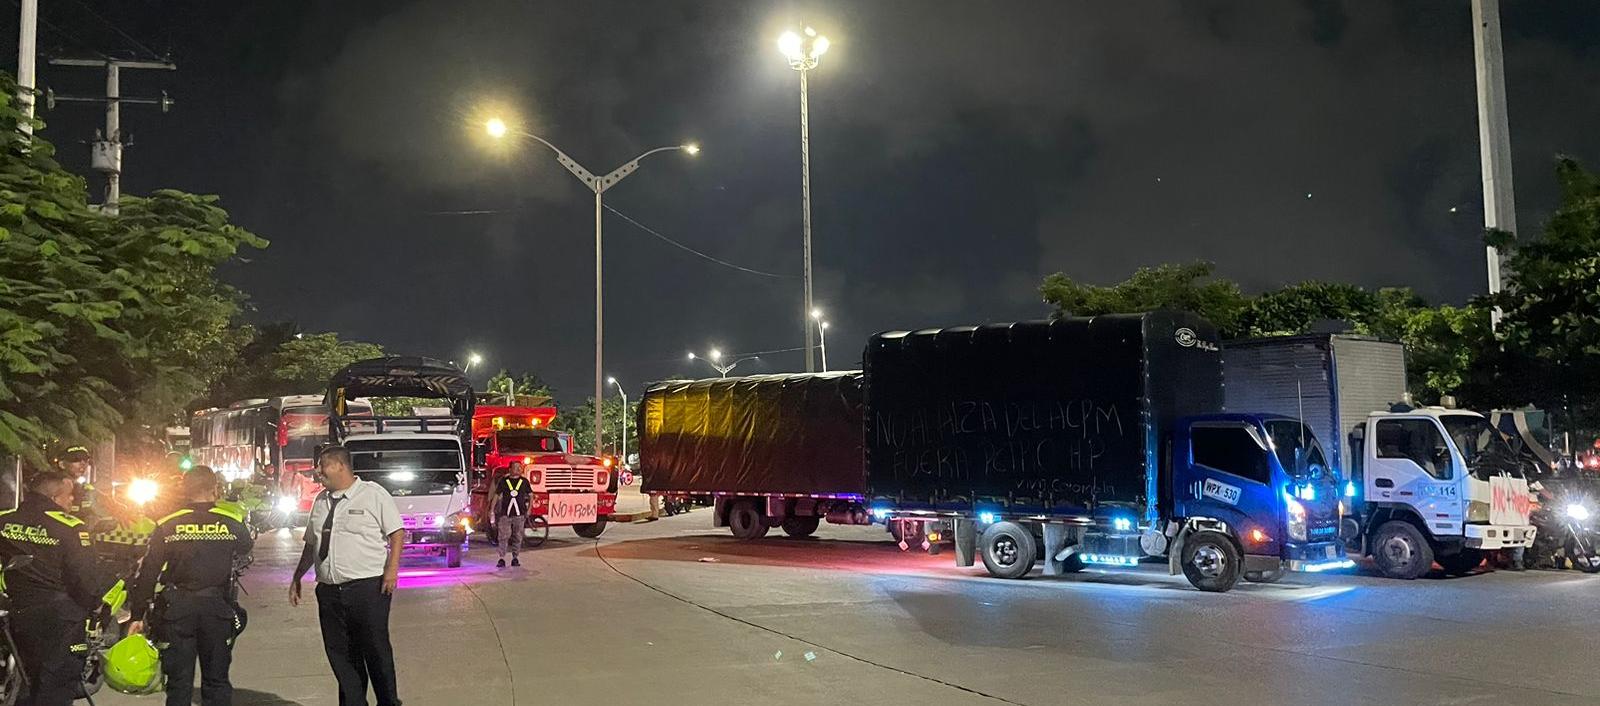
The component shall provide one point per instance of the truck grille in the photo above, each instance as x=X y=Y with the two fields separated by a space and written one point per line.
x=566 y=479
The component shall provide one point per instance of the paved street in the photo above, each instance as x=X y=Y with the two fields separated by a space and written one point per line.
x=674 y=612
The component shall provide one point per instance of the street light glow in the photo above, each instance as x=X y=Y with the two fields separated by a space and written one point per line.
x=816 y=314
x=611 y=381
x=691 y=356
x=824 y=324
x=789 y=44
x=474 y=359
x=692 y=149
x=495 y=127
x=804 y=48
x=716 y=354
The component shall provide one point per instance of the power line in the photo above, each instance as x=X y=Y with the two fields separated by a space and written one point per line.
x=118 y=30
x=68 y=36
x=634 y=223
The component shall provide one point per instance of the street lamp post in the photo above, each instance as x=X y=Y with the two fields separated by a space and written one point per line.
x=803 y=50
x=624 y=394
x=822 y=336
x=714 y=359
x=497 y=129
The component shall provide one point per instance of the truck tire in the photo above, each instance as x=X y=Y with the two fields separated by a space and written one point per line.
x=1462 y=562
x=1272 y=576
x=1211 y=562
x=1400 y=551
x=452 y=557
x=590 y=530
x=1009 y=550
x=745 y=520
x=799 y=527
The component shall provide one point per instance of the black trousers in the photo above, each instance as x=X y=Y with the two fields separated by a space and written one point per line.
x=355 y=634
x=52 y=648
x=196 y=626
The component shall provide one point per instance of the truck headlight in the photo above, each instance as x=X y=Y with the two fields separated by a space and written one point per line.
x=1477 y=511
x=287 y=504
x=1578 y=511
x=1297 y=520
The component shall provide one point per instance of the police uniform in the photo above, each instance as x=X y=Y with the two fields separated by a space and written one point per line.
x=192 y=554
x=53 y=596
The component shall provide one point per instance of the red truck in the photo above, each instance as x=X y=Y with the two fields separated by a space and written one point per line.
x=570 y=489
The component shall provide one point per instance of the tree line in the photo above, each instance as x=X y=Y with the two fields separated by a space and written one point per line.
x=1545 y=351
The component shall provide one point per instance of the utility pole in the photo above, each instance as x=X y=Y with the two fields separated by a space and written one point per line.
x=27 y=61
x=106 y=154
x=1494 y=133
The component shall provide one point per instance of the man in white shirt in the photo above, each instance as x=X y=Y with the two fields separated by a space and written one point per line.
x=354 y=539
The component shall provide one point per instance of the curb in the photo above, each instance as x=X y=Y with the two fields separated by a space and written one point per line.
x=631 y=517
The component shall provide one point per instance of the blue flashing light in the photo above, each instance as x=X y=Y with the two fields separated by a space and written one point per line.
x=880 y=513
x=986 y=518
x=1349 y=488
x=1328 y=565
x=1109 y=559
x=1121 y=524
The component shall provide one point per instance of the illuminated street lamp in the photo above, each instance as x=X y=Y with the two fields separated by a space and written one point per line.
x=624 y=395
x=714 y=359
x=498 y=129
x=803 y=50
x=822 y=336
x=472 y=359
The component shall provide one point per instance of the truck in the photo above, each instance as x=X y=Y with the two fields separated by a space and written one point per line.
x=1422 y=485
x=1071 y=442
x=422 y=460
x=770 y=450
x=575 y=490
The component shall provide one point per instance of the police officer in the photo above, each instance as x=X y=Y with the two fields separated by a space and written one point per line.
x=192 y=554
x=55 y=593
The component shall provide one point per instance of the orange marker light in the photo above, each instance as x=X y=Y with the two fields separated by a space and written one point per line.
x=1258 y=536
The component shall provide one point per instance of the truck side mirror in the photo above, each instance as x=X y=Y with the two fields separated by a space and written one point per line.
x=480 y=453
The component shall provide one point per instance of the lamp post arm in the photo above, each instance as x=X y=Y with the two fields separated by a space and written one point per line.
x=629 y=167
x=571 y=164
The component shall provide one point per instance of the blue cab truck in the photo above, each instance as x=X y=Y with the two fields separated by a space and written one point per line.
x=1091 y=441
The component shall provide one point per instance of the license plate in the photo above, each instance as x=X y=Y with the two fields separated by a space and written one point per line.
x=1330 y=552
x=572 y=508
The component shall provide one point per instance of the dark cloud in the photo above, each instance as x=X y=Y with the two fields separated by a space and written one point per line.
x=960 y=152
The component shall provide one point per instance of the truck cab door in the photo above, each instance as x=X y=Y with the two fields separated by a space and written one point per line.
x=1223 y=472
x=1409 y=461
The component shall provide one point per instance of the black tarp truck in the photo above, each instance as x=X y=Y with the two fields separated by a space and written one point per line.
x=1075 y=441
x=772 y=450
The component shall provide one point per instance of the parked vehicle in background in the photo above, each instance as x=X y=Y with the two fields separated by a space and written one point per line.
x=1424 y=485
x=771 y=450
x=1072 y=442
x=569 y=489
x=269 y=441
x=421 y=460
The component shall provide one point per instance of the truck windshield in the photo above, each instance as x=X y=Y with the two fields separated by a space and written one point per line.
x=527 y=441
x=409 y=466
x=306 y=428
x=1473 y=436
x=1288 y=436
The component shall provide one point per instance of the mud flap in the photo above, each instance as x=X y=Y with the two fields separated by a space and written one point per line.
x=1055 y=539
x=966 y=541
x=1175 y=553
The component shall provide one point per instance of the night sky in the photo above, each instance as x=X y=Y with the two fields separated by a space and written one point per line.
x=960 y=152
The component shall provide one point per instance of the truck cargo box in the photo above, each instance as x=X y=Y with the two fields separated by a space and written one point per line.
x=1057 y=417
x=1331 y=381
x=761 y=434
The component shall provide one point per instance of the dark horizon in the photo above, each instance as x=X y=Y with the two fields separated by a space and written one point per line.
x=958 y=157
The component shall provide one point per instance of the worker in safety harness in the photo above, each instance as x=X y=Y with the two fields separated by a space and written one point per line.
x=510 y=499
x=54 y=595
x=193 y=554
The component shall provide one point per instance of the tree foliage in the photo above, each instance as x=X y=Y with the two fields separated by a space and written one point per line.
x=1189 y=287
x=579 y=422
x=525 y=389
x=1550 y=337
x=108 y=320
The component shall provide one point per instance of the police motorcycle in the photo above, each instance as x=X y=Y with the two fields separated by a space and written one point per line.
x=1568 y=517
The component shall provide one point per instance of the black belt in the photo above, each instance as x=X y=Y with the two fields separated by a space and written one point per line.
x=208 y=592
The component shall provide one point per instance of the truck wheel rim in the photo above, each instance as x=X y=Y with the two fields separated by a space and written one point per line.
x=1398 y=551
x=1209 y=561
x=1005 y=550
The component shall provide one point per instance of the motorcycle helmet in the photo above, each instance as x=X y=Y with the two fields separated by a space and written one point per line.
x=241 y=619
x=133 y=666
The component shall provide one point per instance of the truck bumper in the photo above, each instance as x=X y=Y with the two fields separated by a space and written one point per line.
x=1499 y=536
x=435 y=538
x=1317 y=556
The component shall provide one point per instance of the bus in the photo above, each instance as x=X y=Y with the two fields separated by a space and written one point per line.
x=272 y=441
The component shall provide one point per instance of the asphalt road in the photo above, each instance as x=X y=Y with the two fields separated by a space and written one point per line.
x=675 y=612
